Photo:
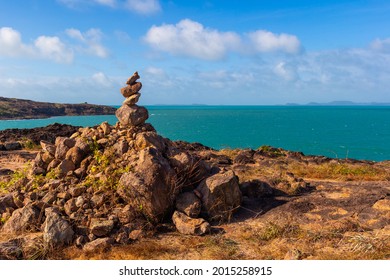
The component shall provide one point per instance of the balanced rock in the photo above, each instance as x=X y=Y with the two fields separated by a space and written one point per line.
x=130 y=90
x=133 y=78
x=132 y=115
x=129 y=114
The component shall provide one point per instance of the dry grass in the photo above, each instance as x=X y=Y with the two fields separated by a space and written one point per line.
x=339 y=171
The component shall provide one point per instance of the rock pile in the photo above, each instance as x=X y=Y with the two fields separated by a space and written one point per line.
x=109 y=184
x=130 y=114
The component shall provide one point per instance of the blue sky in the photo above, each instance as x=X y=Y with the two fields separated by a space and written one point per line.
x=203 y=52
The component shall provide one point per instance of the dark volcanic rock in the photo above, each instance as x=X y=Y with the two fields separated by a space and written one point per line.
x=48 y=133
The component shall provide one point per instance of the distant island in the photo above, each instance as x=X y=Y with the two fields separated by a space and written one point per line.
x=340 y=103
x=13 y=108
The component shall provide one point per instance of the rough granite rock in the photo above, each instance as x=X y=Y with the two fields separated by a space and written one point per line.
x=189 y=204
x=220 y=195
x=99 y=244
x=132 y=99
x=23 y=219
x=6 y=201
x=101 y=227
x=132 y=115
x=10 y=250
x=187 y=225
x=133 y=79
x=56 y=230
x=150 y=139
x=149 y=189
x=48 y=147
x=131 y=89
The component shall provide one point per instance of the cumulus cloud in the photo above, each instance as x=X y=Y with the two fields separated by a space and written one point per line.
x=95 y=88
x=52 y=48
x=286 y=71
x=265 y=41
x=45 y=47
x=381 y=45
x=145 y=7
x=190 y=38
x=90 y=40
x=101 y=79
x=11 y=43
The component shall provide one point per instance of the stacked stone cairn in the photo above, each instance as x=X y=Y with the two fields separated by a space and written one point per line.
x=114 y=184
x=130 y=114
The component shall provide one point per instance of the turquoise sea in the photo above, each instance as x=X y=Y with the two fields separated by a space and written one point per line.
x=360 y=132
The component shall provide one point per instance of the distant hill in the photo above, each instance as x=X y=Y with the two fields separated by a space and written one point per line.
x=12 y=108
x=340 y=103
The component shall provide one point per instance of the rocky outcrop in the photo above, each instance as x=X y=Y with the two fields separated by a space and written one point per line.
x=22 y=220
x=12 y=108
x=13 y=139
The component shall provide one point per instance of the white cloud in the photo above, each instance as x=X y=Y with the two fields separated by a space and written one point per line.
x=11 y=43
x=265 y=41
x=381 y=45
x=190 y=38
x=286 y=71
x=97 y=88
x=101 y=79
x=110 y=3
x=45 y=47
x=52 y=48
x=145 y=7
x=91 y=41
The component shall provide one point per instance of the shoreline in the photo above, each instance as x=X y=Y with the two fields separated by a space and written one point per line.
x=292 y=206
x=51 y=131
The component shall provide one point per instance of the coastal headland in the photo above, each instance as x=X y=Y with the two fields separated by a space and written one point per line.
x=13 y=108
x=125 y=192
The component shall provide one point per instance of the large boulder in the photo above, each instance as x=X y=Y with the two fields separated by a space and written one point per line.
x=6 y=201
x=187 y=225
x=101 y=227
x=23 y=219
x=220 y=195
x=48 y=147
x=56 y=230
x=75 y=155
x=132 y=115
x=63 y=144
x=189 y=204
x=149 y=189
x=150 y=139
